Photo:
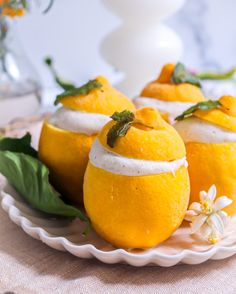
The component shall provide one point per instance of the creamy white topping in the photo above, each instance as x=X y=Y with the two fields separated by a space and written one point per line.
x=78 y=121
x=172 y=108
x=197 y=130
x=215 y=89
x=120 y=165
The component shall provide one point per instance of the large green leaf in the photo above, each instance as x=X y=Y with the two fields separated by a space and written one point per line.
x=21 y=145
x=30 y=178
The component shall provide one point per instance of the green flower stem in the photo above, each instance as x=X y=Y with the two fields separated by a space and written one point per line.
x=217 y=75
x=3 y=35
x=61 y=82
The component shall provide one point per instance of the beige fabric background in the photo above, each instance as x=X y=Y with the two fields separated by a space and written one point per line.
x=28 y=266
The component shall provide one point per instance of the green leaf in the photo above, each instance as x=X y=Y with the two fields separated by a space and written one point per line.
x=21 y=145
x=83 y=90
x=118 y=130
x=24 y=4
x=205 y=105
x=217 y=75
x=124 y=116
x=15 y=4
x=124 y=121
x=61 y=82
x=30 y=178
x=48 y=61
x=181 y=75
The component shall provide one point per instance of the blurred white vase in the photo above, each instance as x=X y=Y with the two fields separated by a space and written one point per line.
x=141 y=46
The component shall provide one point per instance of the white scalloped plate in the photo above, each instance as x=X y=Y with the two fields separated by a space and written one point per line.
x=63 y=235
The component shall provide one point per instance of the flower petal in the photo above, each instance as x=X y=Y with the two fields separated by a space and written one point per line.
x=222 y=202
x=190 y=215
x=196 y=207
x=211 y=195
x=206 y=230
x=216 y=222
x=224 y=217
x=198 y=222
x=203 y=196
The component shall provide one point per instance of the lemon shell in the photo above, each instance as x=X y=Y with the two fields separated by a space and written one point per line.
x=171 y=92
x=66 y=155
x=213 y=164
x=153 y=144
x=135 y=212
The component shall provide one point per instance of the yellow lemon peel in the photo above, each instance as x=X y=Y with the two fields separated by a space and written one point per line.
x=228 y=105
x=138 y=211
x=161 y=142
x=163 y=89
x=65 y=152
x=166 y=73
x=212 y=163
x=104 y=100
x=149 y=117
x=135 y=212
x=66 y=155
x=224 y=117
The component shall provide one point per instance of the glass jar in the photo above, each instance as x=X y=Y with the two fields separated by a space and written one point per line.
x=19 y=83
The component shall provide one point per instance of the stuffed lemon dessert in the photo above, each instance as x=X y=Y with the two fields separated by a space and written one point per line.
x=209 y=132
x=136 y=185
x=67 y=136
x=173 y=92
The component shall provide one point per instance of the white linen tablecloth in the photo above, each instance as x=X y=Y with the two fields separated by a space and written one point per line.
x=29 y=266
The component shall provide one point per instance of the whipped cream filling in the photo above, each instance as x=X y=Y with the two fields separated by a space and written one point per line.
x=197 y=130
x=172 y=108
x=77 y=121
x=120 y=165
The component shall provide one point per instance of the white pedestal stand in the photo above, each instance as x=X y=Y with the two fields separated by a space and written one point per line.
x=143 y=43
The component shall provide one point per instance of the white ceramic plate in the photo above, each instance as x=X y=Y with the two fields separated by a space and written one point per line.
x=67 y=236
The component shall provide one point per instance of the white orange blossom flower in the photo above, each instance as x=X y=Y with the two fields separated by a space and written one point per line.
x=207 y=217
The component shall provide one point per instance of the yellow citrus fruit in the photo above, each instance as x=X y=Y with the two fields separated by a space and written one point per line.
x=169 y=98
x=104 y=101
x=138 y=211
x=214 y=163
x=166 y=74
x=149 y=144
x=228 y=105
x=164 y=89
x=66 y=152
x=66 y=155
x=223 y=117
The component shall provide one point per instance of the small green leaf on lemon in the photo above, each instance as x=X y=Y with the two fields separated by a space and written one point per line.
x=204 y=105
x=83 y=90
x=124 y=121
x=181 y=75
